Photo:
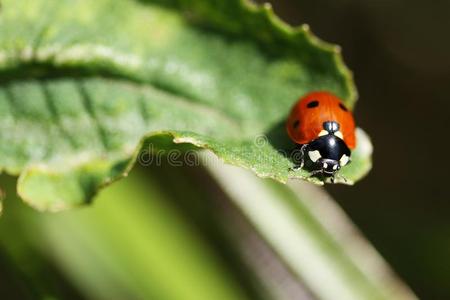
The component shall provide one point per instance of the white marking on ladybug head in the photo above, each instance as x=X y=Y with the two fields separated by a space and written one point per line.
x=325 y=165
x=339 y=135
x=323 y=132
x=344 y=160
x=314 y=155
x=335 y=167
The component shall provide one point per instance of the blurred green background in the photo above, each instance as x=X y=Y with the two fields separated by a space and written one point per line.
x=399 y=52
x=141 y=239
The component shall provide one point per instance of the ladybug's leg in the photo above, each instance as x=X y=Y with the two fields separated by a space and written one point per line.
x=297 y=167
x=298 y=156
x=315 y=172
x=341 y=177
x=320 y=172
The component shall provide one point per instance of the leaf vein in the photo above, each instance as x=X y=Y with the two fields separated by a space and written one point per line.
x=89 y=108
x=55 y=116
x=143 y=109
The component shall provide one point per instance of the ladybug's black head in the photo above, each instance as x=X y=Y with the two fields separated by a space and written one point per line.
x=328 y=154
x=328 y=166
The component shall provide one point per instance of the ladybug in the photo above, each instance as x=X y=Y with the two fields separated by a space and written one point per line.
x=324 y=130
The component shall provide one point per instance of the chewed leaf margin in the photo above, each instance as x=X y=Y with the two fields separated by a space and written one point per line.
x=335 y=51
x=252 y=13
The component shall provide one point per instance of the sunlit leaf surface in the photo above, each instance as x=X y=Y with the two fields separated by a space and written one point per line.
x=81 y=89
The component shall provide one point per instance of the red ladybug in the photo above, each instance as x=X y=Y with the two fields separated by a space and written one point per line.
x=325 y=130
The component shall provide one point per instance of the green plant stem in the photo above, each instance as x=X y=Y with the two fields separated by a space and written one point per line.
x=294 y=228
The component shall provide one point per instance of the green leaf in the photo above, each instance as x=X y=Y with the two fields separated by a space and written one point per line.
x=83 y=86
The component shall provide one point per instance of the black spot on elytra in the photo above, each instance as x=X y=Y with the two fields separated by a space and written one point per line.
x=312 y=104
x=295 y=124
x=342 y=106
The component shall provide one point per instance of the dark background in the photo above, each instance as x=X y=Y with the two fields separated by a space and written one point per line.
x=399 y=52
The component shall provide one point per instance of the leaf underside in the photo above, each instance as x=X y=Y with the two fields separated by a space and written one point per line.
x=83 y=88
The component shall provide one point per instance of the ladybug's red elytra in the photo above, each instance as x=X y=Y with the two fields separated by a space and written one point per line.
x=324 y=129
